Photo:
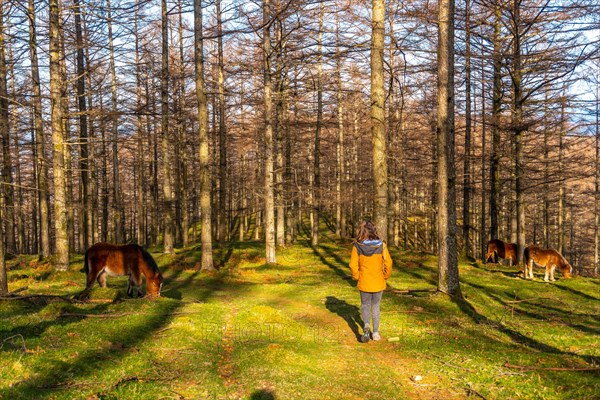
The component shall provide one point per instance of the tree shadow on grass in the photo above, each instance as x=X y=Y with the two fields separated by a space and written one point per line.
x=59 y=374
x=263 y=394
x=509 y=274
x=516 y=336
x=349 y=312
x=32 y=330
x=576 y=292
x=340 y=267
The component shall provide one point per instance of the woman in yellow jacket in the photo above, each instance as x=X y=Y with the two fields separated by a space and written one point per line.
x=371 y=266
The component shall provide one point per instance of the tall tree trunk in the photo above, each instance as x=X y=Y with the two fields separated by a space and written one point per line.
x=141 y=173
x=341 y=173
x=391 y=130
x=67 y=154
x=482 y=232
x=223 y=225
x=561 y=186
x=518 y=129
x=205 y=185
x=495 y=125
x=58 y=145
x=380 y=180
x=8 y=192
x=3 y=276
x=118 y=211
x=597 y=184
x=280 y=118
x=546 y=210
x=316 y=206
x=166 y=148
x=83 y=128
x=41 y=163
x=183 y=178
x=467 y=164
x=93 y=203
x=447 y=253
x=269 y=203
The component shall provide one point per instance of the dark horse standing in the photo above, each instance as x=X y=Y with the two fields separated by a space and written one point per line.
x=104 y=259
x=499 y=249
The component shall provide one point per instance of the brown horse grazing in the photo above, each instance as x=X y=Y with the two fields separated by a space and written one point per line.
x=104 y=259
x=546 y=258
x=499 y=249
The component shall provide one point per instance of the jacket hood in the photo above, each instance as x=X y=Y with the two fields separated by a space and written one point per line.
x=369 y=247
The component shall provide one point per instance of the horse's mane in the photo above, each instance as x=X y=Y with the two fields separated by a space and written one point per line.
x=149 y=260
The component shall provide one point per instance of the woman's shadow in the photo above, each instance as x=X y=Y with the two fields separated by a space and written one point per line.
x=350 y=314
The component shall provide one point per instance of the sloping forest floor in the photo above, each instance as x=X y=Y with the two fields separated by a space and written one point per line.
x=290 y=331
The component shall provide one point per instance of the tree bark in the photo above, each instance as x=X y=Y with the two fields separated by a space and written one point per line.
x=495 y=125
x=380 y=180
x=205 y=184
x=597 y=184
x=447 y=253
x=3 y=276
x=482 y=232
x=118 y=211
x=41 y=163
x=83 y=127
x=467 y=163
x=518 y=129
x=58 y=145
x=141 y=173
x=166 y=148
x=223 y=225
x=316 y=206
x=184 y=185
x=8 y=191
x=269 y=203
x=341 y=172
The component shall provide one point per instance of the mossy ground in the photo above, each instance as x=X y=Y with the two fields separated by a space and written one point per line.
x=289 y=331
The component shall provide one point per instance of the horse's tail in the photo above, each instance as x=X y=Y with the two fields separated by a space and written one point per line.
x=86 y=267
x=527 y=255
x=149 y=260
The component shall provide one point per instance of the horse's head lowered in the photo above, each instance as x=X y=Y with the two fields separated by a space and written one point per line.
x=154 y=285
x=566 y=269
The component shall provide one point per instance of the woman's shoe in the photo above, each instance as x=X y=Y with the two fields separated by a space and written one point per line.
x=366 y=336
x=376 y=336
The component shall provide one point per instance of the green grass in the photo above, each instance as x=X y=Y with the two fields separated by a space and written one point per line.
x=289 y=331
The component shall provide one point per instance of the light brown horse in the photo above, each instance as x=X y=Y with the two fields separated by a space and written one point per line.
x=546 y=258
x=104 y=259
x=499 y=249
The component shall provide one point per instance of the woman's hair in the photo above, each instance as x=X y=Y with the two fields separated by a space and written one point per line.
x=367 y=231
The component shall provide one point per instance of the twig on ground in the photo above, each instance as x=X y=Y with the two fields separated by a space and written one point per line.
x=530 y=368
x=533 y=298
x=471 y=391
x=22 y=289
x=40 y=296
x=456 y=366
x=14 y=336
x=119 y=315
x=409 y=291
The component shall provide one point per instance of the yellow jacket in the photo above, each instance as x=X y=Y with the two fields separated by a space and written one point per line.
x=371 y=265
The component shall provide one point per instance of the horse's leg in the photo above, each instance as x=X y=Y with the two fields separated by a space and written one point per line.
x=529 y=270
x=547 y=273
x=129 y=286
x=90 y=278
x=102 y=279
x=552 y=272
x=136 y=282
